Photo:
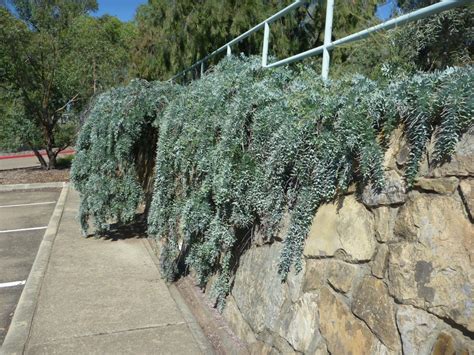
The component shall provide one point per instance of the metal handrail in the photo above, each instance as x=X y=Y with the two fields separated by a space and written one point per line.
x=244 y=35
x=328 y=44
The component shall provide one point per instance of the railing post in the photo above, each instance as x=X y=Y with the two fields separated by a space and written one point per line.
x=229 y=51
x=327 y=38
x=202 y=69
x=266 y=39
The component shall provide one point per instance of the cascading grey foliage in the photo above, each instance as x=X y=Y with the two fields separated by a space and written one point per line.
x=243 y=146
x=112 y=145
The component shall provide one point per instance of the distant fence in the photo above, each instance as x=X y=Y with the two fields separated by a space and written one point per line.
x=328 y=43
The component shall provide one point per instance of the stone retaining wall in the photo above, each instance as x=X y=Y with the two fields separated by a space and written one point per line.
x=390 y=273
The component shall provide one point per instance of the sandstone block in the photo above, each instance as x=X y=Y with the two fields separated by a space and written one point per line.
x=299 y=326
x=380 y=261
x=385 y=217
x=393 y=193
x=462 y=161
x=238 y=324
x=315 y=275
x=417 y=328
x=275 y=343
x=294 y=283
x=348 y=230
x=467 y=194
x=258 y=291
x=344 y=333
x=339 y=274
x=372 y=303
x=433 y=269
x=424 y=334
x=446 y=185
x=396 y=143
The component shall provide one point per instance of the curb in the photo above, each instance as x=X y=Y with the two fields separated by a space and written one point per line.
x=47 y=185
x=20 y=326
x=191 y=321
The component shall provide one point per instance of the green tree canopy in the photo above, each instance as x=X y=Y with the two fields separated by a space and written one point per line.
x=54 y=57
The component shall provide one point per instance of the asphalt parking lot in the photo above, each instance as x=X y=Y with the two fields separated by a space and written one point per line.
x=24 y=216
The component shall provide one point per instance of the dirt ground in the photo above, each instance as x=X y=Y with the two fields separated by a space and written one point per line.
x=32 y=175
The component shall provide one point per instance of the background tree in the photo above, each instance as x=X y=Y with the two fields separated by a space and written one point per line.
x=99 y=54
x=433 y=43
x=54 y=57
x=15 y=130
x=174 y=34
x=437 y=41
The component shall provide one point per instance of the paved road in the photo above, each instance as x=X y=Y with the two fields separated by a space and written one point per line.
x=17 y=163
x=23 y=162
x=20 y=210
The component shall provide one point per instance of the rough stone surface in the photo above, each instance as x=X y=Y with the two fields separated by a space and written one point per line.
x=401 y=157
x=315 y=274
x=434 y=269
x=372 y=303
x=392 y=194
x=446 y=185
x=233 y=315
x=461 y=163
x=258 y=290
x=444 y=345
x=385 y=218
x=340 y=275
x=348 y=230
x=271 y=344
x=300 y=325
x=394 y=147
x=380 y=261
x=418 y=330
x=294 y=282
x=344 y=333
x=391 y=275
x=260 y=347
x=447 y=343
x=424 y=334
x=467 y=194
x=259 y=237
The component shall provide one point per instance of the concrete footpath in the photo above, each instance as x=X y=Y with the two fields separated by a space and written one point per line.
x=100 y=296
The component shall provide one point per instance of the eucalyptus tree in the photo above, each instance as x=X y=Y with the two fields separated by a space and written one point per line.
x=54 y=57
x=99 y=54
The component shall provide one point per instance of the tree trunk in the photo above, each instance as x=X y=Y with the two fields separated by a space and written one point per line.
x=145 y=154
x=38 y=155
x=50 y=148
x=51 y=157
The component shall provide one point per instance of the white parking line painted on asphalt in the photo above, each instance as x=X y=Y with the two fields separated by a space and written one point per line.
x=12 y=284
x=29 y=204
x=23 y=229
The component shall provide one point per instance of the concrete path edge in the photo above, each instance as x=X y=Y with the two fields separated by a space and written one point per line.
x=20 y=326
x=192 y=323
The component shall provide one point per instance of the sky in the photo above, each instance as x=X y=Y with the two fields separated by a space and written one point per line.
x=125 y=9
x=385 y=10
